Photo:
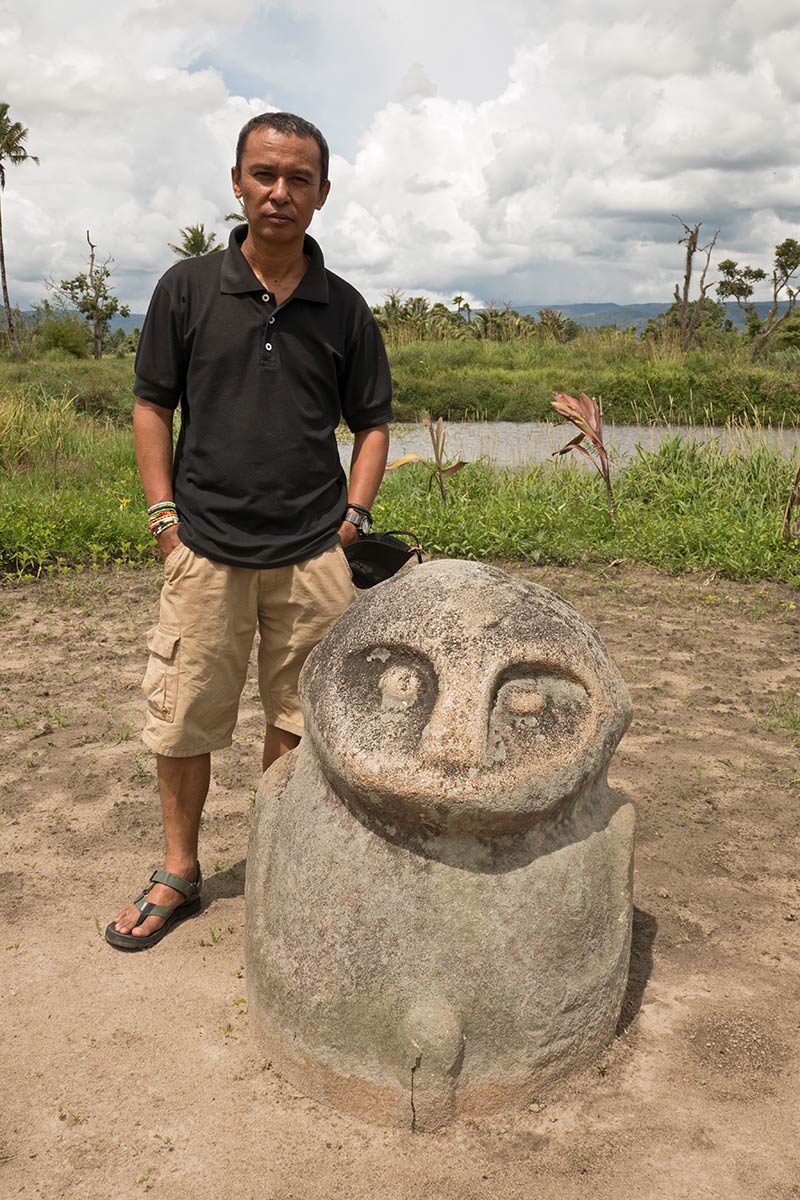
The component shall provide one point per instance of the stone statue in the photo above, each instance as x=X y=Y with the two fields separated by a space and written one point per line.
x=439 y=879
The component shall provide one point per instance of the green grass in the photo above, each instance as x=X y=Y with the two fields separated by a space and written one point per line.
x=70 y=494
x=98 y=388
x=681 y=508
x=69 y=488
x=515 y=381
x=509 y=381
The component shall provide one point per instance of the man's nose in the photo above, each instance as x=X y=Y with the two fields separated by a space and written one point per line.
x=279 y=191
x=458 y=729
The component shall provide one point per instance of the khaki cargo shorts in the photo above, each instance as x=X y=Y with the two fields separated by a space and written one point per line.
x=200 y=648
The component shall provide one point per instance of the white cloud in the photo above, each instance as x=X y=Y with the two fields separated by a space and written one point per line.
x=531 y=150
x=563 y=186
x=132 y=142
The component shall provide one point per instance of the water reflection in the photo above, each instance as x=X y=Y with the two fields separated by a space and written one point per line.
x=517 y=444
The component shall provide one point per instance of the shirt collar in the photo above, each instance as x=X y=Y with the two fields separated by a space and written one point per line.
x=236 y=275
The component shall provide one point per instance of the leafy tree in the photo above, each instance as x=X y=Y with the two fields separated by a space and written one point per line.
x=462 y=306
x=706 y=317
x=195 y=241
x=788 y=336
x=121 y=343
x=90 y=293
x=12 y=150
x=60 y=327
x=738 y=283
x=556 y=327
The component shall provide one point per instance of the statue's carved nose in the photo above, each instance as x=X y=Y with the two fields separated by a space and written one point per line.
x=457 y=730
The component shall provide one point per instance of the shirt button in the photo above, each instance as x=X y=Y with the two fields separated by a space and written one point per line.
x=265 y=297
x=268 y=346
x=272 y=320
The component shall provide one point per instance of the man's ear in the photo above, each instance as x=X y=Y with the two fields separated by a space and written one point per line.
x=237 y=190
x=323 y=194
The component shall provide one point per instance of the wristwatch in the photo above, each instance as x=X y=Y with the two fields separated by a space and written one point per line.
x=360 y=517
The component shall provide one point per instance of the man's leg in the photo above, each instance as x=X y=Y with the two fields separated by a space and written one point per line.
x=297 y=606
x=276 y=743
x=183 y=783
x=195 y=674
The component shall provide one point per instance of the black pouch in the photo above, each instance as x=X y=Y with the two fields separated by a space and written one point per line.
x=378 y=556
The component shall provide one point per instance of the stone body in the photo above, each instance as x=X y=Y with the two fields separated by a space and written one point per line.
x=439 y=879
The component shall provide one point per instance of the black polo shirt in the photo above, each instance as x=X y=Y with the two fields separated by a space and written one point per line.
x=258 y=480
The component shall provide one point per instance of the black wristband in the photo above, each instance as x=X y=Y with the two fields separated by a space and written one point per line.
x=359 y=508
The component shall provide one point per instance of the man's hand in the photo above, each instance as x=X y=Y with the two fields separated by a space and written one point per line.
x=167 y=541
x=347 y=533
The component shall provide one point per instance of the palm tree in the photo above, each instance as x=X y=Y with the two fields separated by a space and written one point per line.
x=195 y=241
x=12 y=149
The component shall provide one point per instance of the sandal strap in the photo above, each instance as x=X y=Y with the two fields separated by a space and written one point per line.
x=155 y=910
x=187 y=889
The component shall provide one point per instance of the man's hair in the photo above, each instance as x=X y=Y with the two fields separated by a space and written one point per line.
x=284 y=122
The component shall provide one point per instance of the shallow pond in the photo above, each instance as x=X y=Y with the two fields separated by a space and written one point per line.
x=516 y=444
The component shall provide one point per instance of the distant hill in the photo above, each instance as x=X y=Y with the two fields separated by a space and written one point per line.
x=591 y=316
x=624 y=315
x=129 y=323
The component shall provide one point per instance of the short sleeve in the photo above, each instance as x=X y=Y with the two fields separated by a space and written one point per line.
x=160 y=365
x=366 y=383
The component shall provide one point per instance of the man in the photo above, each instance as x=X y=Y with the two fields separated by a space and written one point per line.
x=265 y=350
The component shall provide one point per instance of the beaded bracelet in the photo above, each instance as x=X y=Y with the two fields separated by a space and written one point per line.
x=161 y=516
x=158 y=529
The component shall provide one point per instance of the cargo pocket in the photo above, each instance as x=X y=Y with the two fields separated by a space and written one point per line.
x=160 y=683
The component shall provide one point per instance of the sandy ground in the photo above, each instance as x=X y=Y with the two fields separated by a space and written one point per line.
x=132 y=1074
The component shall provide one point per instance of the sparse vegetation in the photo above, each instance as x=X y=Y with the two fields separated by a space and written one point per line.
x=439 y=466
x=785 y=714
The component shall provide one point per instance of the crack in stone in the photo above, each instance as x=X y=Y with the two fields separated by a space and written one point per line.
x=413 y=1108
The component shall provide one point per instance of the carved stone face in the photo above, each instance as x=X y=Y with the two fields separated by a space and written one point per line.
x=456 y=697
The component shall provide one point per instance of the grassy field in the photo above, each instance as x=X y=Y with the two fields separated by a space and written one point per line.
x=70 y=495
x=511 y=381
x=637 y=383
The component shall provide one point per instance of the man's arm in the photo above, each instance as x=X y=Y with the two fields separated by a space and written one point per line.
x=152 y=439
x=367 y=466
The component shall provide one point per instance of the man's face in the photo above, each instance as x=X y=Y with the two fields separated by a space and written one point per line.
x=279 y=184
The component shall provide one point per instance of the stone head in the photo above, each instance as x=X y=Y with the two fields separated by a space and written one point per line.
x=457 y=698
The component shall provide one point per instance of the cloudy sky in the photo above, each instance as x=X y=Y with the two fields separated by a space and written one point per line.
x=530 y=151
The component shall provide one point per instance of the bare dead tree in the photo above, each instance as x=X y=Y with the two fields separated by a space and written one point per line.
x=97 y=333
x=90 y=293
x=689 y=312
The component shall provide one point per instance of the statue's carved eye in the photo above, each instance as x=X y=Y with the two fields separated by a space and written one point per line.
x=399 y=687
x=523 y=701
x=537 y=712
x=396 y=682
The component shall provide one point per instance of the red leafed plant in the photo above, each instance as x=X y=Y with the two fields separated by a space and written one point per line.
x=586 y=415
